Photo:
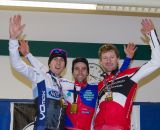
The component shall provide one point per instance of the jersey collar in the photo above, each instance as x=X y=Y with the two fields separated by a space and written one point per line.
x=112 y=73
x=81 y=84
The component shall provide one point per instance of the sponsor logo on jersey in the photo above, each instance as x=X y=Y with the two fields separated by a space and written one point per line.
x=42 y=106
x=54 y=94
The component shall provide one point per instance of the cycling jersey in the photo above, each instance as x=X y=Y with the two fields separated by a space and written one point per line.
x=115 y=114
x=86 y=101
x=46 y=91
x=86 y=98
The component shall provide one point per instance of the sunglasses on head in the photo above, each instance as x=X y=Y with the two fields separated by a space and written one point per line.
x=58 y=51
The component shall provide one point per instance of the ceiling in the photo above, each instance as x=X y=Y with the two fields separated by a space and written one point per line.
x=122 y=7
x=143 y=3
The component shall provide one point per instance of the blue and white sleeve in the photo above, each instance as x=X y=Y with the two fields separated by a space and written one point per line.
x=125 y=64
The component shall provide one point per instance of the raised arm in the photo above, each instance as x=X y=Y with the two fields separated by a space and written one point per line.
x=149 y=29
x=16 y=29
x=25 y=51
x=129 y=51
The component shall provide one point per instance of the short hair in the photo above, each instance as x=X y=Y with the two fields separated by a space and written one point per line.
x=107 y=47
x=80 y=59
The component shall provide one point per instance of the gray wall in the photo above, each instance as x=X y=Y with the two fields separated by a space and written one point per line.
x=92 y=28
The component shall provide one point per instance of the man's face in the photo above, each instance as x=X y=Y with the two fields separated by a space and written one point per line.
x=57 y=65
x=109 y=61
x=80 y=72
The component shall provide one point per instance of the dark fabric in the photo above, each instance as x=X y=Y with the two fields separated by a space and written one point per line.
x=23 y=115
x=52 y=119
x=150 y=116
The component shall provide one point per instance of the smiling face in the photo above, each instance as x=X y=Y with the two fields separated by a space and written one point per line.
x=109 y=57
x=57 y=65
x=80 y=72
x=109 y=61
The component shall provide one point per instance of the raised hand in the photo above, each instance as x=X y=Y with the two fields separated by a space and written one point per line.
x=15 y=27
x=23 y=47
x=130 y=50
x=147 y=26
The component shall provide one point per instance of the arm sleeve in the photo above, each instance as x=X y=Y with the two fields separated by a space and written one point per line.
x=36 y=63
x=18 y=64
x=154 y=63
x=125 y=64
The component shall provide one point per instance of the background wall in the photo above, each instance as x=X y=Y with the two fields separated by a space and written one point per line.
x=89 y=29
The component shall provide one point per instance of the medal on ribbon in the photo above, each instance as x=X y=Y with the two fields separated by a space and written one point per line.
x=73 y=109
x=74 y=105
x=109 y=96
x=108 y=88
x=63 y=103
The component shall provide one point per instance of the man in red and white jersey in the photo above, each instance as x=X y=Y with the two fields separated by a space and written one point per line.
x=116 y=92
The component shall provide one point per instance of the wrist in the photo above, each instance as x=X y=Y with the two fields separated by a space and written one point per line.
x=26 y=53
x=13 y=37
x=129 y=57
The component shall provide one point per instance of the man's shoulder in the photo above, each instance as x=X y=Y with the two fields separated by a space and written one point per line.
x=64 y=80
x=66 y=84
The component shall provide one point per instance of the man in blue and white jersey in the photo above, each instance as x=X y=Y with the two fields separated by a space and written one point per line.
x=47 y=89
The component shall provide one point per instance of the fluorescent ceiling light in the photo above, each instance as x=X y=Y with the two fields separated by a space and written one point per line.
x=48 y=4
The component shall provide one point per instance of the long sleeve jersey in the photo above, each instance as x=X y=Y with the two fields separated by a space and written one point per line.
x=86 y=98
x=115 y=114
x=86 y=102
x=50 y=114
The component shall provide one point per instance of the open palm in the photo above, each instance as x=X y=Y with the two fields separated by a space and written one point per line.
x=15 y=26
